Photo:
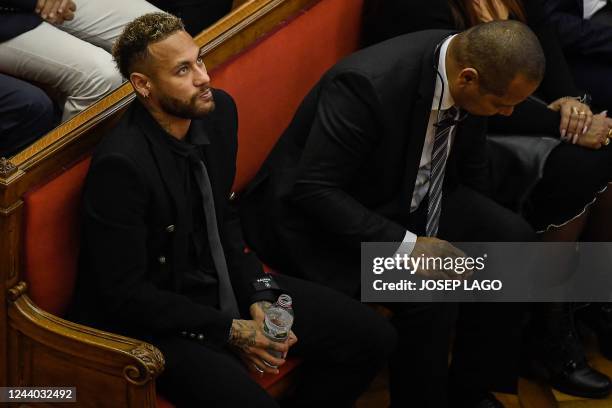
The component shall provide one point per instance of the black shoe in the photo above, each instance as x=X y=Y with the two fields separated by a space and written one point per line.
x=560 y=360
x=598 y=316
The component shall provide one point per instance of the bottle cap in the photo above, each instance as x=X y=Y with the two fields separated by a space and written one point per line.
x=284 y=301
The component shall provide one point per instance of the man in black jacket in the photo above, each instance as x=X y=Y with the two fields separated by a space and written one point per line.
x=163 y=256
x=364 y=160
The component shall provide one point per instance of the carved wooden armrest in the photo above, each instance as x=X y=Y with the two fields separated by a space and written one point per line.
x=108 y=370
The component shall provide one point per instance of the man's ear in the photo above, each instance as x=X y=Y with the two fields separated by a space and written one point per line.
x=141 y=84
x=468 y=77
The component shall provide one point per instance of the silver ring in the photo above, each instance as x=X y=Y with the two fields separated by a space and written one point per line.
x=259 y=370
x=268 y=364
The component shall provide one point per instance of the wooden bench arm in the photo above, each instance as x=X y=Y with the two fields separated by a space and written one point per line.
x=107 y=369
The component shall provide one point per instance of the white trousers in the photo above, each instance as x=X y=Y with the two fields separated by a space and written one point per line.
x=74 y=57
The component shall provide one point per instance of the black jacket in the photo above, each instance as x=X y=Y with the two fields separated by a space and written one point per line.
x=344 y=170
x=134 y=241
x=17 y=17
x=578 y=36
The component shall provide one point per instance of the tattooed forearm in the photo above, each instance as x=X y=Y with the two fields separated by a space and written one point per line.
x=243 y=334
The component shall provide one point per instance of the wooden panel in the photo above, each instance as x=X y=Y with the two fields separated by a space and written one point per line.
x=10 y=250
x=108 y=370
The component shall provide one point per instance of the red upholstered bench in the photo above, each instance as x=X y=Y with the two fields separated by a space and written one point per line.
x=268 y=81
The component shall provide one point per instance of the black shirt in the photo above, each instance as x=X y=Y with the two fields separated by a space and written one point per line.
x=200 y=282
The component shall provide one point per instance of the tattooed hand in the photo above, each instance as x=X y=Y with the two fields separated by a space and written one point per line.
x=252 y=346
x=258 y=311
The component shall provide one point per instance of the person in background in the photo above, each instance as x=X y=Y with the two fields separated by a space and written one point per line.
x=584 y=28
x=26 y=113
x=389 y=146
x=571 y=201
x=66 y=45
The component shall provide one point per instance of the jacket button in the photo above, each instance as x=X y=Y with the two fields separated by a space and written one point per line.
x=170 y=228
x=184 y=333
x=192 y=335
x=162 y=259
x=201 y=337
x=232 y=196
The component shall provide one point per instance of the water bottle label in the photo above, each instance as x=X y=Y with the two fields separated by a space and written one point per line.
x=274 y=331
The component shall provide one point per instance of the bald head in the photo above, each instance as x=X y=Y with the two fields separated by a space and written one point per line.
x=500 y=51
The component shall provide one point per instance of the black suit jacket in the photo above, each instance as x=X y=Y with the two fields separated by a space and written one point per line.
x=17 y=17
x=134 y=242
x=344 y=170
x=579 y=37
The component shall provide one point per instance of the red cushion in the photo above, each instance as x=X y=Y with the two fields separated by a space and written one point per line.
x=51 y=238
x=269 y=80
x=163 y=403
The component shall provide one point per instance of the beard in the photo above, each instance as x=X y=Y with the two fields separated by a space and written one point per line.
x=192 y=109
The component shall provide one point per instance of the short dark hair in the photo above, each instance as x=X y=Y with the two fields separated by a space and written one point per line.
x=132 y=45
x=499 y=51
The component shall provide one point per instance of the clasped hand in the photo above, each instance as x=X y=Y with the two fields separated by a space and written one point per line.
x=252 y=346
x=580 y=126
x=576 y=118
x=598 y=133
x=55 y=11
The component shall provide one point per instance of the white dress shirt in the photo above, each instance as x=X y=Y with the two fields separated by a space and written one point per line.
x=592 y=6
x=421 y=186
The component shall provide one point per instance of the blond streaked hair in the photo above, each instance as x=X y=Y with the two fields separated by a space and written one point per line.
x=132 y=46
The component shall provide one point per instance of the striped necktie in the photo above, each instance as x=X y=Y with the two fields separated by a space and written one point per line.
x=439 y=155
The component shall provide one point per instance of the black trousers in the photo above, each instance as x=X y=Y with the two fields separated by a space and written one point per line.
x=343 y=342
x=592 y=72
x=564 y=191
x=487 y=336
x=26 y=114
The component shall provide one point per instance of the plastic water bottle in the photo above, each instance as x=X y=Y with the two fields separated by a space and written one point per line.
x=278 y=321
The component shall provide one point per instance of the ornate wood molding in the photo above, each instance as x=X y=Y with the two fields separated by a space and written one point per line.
x=7 y=168
x=16 y=291
x=152 y=361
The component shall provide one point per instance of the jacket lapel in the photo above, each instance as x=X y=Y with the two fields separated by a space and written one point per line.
x=165 y=162
x=162 y=156
x=419 y=118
